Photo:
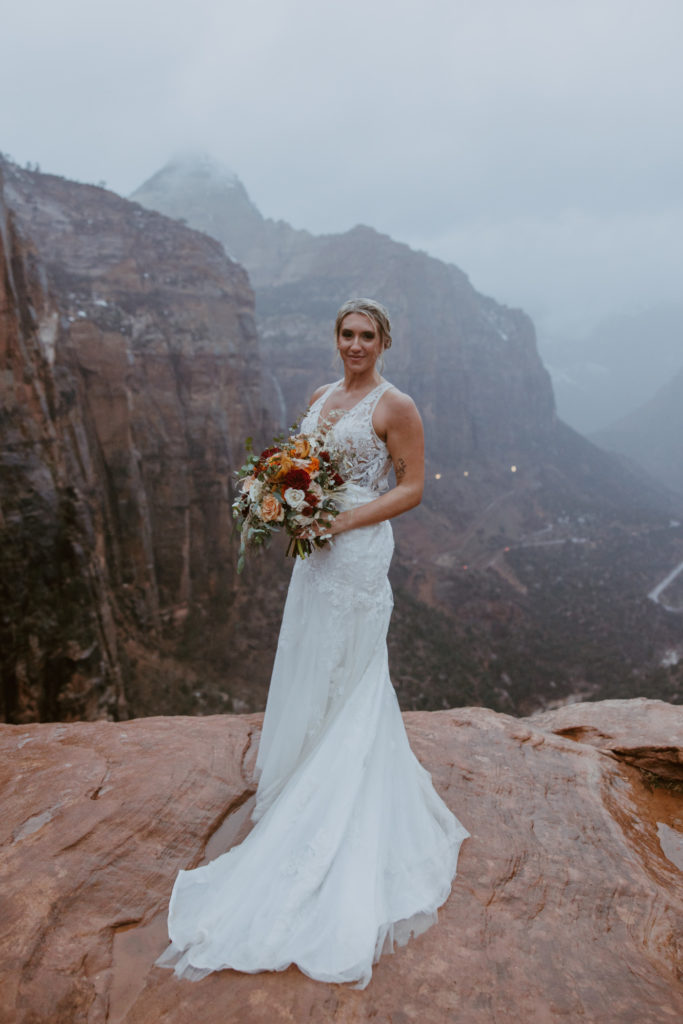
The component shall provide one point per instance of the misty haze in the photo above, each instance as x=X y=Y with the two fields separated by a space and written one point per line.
x=538 y=550
x=188 y=193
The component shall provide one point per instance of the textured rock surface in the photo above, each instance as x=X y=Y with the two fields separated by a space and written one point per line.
x=603 y=725
x=131 y=377
x=59 y=647
x=566 y=906
x=541 y=574
x=471 y=364
x=131 y=389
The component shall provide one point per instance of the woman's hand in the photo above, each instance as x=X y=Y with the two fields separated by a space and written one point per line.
x=323 y=527
x=397 y=422
x=341 y=522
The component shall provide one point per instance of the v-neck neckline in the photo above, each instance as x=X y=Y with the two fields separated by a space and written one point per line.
x=342 y=412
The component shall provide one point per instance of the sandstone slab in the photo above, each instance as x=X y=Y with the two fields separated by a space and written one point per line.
x=566 y=906
x=604 y=725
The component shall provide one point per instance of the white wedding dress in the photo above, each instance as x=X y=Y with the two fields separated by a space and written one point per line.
x=353 y=850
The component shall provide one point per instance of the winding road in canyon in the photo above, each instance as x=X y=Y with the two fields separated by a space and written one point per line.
x=656 y=593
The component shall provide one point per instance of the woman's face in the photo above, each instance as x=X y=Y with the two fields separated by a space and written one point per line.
x=359 y=342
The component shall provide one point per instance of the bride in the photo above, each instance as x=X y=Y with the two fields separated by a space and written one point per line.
x=353 y=850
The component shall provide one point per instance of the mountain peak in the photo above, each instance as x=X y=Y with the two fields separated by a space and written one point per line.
x=192 y=166
x=208 y=195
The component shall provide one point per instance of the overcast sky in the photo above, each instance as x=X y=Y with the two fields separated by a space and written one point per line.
x=537 y=144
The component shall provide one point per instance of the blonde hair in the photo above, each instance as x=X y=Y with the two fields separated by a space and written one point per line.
x=374 y=311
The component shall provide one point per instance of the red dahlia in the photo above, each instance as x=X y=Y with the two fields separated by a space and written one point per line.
x=297 y=478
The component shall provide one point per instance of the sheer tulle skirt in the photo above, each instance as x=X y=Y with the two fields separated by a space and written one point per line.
x=352 y=850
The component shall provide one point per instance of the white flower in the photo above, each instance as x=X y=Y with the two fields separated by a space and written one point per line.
x=255 y=491
x=294 y=497
x=316 y=490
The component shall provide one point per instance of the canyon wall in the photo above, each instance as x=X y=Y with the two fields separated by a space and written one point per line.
x=132 y=374
x=471 y=364
x=523 y=575
x=131 y=379
x=60 y=650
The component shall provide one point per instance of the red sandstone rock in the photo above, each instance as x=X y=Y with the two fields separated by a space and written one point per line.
x=129 y=380
x=58 y=643
x=603 y=725
x=565 y=907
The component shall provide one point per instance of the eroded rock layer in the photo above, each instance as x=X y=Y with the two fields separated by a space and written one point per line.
x=567 y=905
x=59 y=645
x=131 y=378
x=523 y=576
x=131 y=381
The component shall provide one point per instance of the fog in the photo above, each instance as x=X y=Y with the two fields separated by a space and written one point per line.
x=536 y=144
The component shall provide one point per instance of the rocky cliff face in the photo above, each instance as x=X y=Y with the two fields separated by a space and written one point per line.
x=210 y=197
x=131 y=379
x=60 y=650
x=567 y=905
x=471 y=364
x=523 y=576
x=132 y=376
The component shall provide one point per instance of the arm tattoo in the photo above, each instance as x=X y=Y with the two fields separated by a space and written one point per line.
x=400 y=470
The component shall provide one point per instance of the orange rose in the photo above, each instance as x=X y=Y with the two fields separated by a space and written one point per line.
x=271 y=510
x=284 y=464
x=313 y=465
x=301 y=447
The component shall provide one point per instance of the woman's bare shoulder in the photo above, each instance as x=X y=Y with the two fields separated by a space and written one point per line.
x=319 y=392
x=396 y=411
x=398 y=403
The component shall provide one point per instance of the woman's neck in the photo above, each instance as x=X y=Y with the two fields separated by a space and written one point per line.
x=365 y=381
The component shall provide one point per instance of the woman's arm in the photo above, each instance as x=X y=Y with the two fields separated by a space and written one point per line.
x=397 y=420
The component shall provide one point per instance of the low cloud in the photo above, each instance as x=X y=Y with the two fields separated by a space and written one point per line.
x=535 y=144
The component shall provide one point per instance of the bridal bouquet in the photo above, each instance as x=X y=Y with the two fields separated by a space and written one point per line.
x=289 y=486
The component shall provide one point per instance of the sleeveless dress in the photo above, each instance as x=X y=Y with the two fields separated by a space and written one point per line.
x=353 y=850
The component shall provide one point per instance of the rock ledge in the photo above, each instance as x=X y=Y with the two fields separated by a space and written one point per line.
x=568 y=903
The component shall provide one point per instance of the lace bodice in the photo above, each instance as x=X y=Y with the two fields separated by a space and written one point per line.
x=367 y=456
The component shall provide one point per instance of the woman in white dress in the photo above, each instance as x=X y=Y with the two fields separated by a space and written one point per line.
x=353 y=850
